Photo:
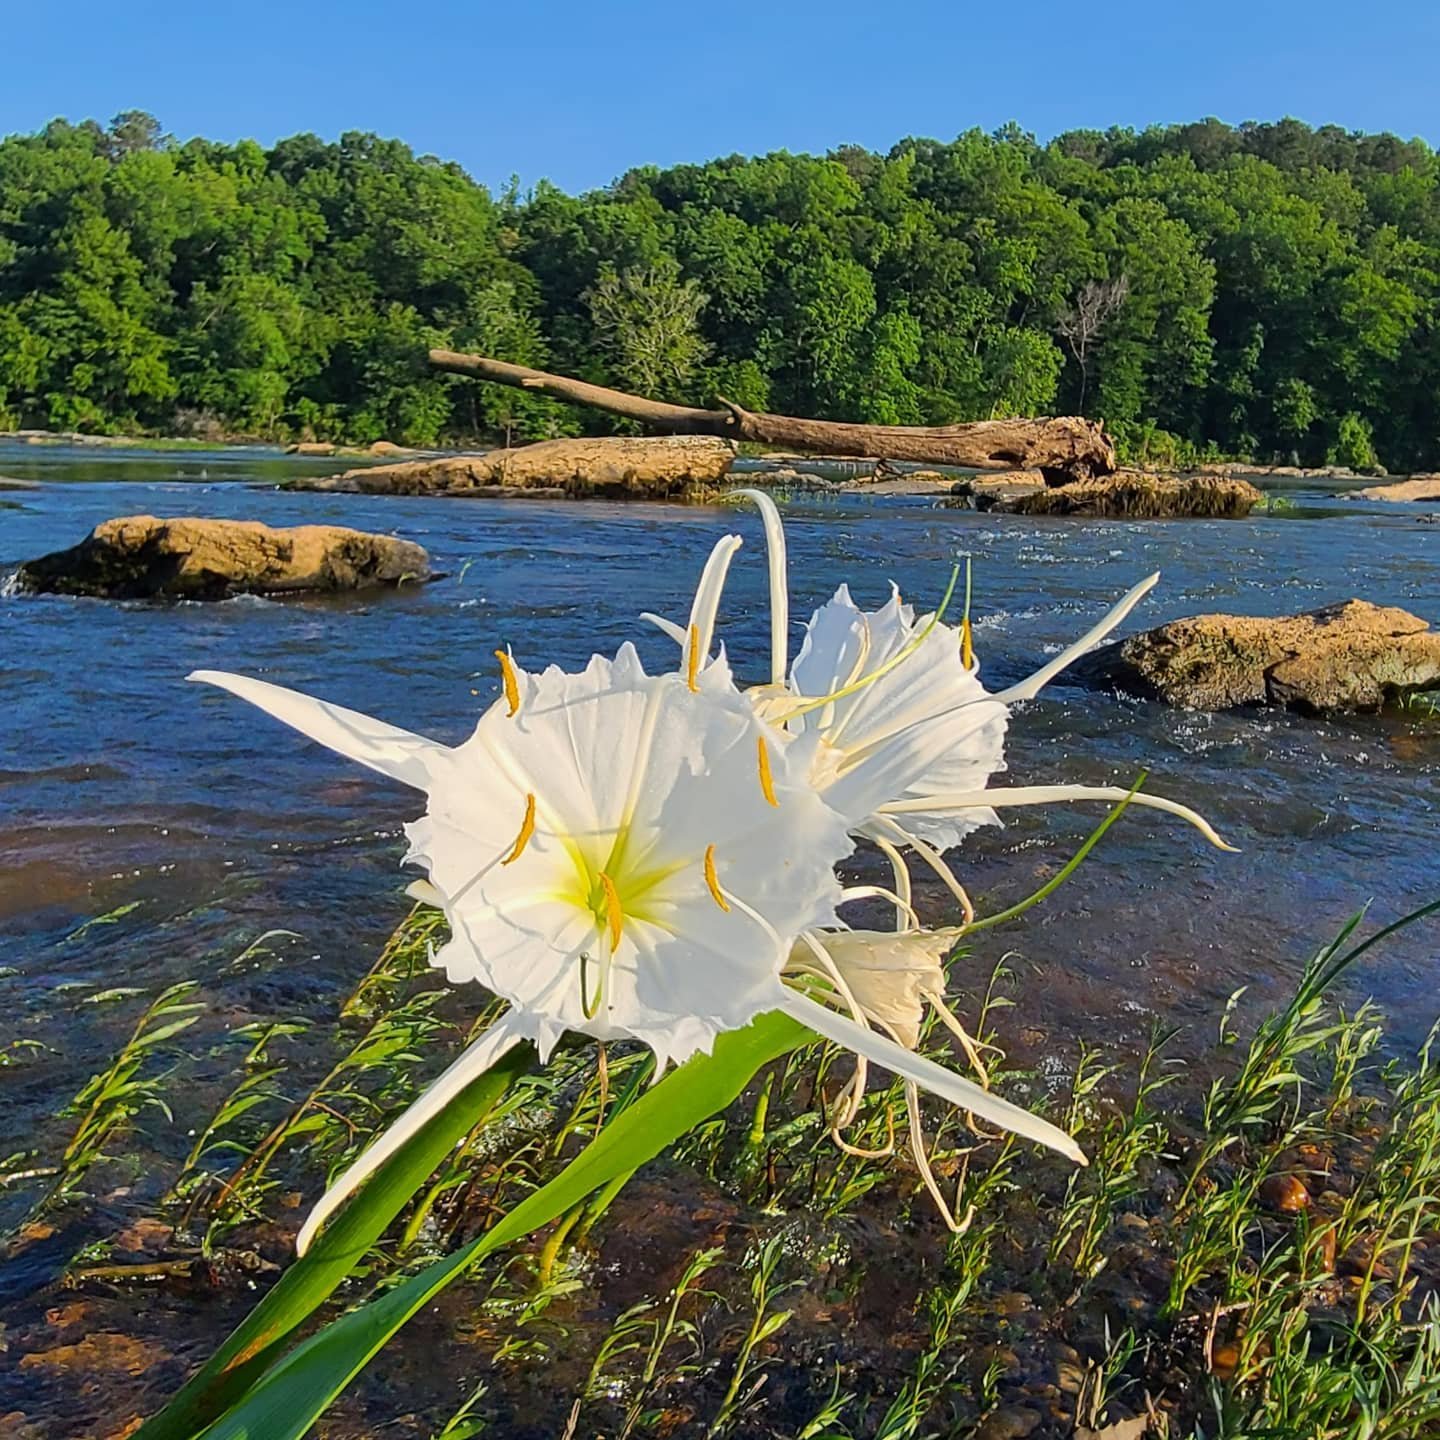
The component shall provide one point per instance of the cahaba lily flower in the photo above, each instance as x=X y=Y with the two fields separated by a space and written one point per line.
x=625 y=855
x=887 y=714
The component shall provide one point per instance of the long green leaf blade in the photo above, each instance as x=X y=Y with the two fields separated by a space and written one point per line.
x=310 y=1281
x=289 y=1399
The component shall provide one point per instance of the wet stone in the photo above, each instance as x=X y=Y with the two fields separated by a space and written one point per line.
x=1013 y=1302
x=1284 y=1194
x=1010 y=1422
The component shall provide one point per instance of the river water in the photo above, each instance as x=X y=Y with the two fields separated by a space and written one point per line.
x=153 y=831
x=204 y=824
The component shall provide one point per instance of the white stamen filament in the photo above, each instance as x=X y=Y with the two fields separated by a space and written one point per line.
x=901 y=872
x=935 y=1078
x=922 y=1163
x=852 y=1096
x=933 y=859
x=879 y=892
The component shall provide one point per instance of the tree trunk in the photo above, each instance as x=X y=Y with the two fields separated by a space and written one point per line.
x=1064 y=448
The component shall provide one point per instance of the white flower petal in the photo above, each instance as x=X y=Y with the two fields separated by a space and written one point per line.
x=1028 y=689
x=667 y=627
x=1055 y=794
x=930 y=1076
x=411 y=759
x=706 y=604
x=641 y=776
x=779 y=583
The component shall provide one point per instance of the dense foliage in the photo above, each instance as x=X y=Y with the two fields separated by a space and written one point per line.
x=1266 y=290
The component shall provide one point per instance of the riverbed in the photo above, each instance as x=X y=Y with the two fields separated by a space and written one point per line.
x=151 y=831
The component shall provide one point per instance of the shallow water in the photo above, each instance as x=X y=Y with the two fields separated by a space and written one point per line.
x=150 y=831
x=122 y=786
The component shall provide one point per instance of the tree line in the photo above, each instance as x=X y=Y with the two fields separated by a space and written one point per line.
x=1264 y=290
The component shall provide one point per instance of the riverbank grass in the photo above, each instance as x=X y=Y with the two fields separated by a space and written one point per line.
x=1251 y=1251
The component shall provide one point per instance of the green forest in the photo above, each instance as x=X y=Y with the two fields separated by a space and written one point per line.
x=1266 y=291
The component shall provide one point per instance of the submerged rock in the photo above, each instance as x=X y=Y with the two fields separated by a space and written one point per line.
x=1129 y=494
x=1350 y=656
x=139 y=555
x=615 y=467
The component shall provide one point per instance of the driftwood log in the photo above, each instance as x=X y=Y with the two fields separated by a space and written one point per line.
x=1063 y=448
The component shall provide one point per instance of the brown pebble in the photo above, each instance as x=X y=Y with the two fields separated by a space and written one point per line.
x=1071 y=1377
x=1284 y=1194
x=1224 y=1361
x=1010 y=1422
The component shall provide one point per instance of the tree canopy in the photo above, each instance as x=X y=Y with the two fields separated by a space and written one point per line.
x=1266 y=290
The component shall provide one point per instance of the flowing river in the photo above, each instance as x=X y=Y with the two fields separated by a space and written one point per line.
x=151 y=831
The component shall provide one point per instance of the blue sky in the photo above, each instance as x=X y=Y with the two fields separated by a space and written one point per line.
x=577 y=93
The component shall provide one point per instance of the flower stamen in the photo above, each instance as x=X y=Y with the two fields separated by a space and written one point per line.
x=713 y=880
x=527 y=829
x=767 y=781
x=614 y=915
x=967 y=642
x=692 y=670
x=511 y=682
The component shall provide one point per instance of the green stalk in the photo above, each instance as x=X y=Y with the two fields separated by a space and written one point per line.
x=1066 y=871
x=310 y=1281
x=289 y=1398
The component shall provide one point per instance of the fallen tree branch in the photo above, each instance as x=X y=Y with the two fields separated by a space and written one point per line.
x=1064 y=448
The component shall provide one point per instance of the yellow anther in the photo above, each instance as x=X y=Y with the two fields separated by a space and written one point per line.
x=510 y=680
x=692 y=674
x=767 y=782
x=527 y=829
x=614 y=915
x=967 y=645
x=713 y=880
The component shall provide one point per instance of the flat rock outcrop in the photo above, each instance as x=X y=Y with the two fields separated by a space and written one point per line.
x=138 y=556
x=1350 y=656
x=611 y=467
x=1127 y=494
x=1417 y=487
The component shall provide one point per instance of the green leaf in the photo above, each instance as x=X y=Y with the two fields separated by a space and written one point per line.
x=293 y=1393
x=309 y=1282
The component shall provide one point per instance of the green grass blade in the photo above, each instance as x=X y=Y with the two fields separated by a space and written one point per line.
x=310 y=1281
x=291 y=1396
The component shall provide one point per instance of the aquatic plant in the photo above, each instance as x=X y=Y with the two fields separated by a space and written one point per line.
x=651 y=858
x=1272 y=1334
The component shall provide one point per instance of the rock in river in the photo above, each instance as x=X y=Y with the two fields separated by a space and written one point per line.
x=1350 y=656
x=1417 y=487
x=138 y=556
x=1127 y=494
x=615 y=467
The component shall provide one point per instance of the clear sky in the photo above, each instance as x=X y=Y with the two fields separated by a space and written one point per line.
x=579 y=92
